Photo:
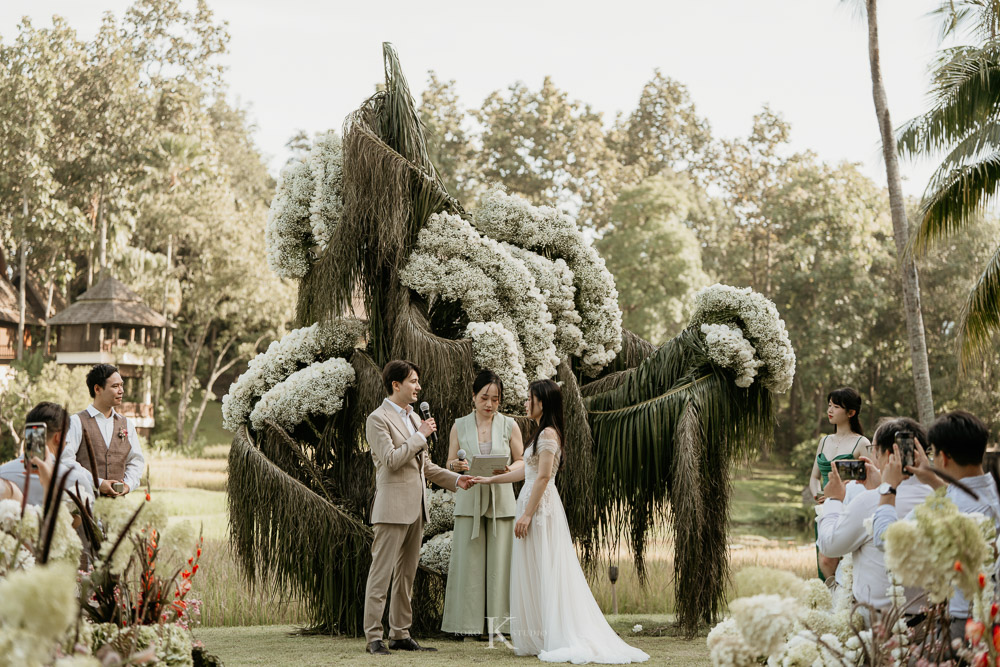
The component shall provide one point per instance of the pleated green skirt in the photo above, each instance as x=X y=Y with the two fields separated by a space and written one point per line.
x=478 y=576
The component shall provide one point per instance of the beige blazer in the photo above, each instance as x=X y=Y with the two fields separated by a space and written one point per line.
x=402 y=464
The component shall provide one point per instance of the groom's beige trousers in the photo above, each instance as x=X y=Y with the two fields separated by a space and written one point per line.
x=395 y=555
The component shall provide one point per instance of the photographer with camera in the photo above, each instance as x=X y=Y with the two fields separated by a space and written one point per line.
x=42 y=432
x=841 y=526
x=958 y=443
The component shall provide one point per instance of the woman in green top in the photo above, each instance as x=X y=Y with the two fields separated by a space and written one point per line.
x=843 y=407
x=479 y=569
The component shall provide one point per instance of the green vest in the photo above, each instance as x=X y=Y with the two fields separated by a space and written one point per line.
x=489 y=500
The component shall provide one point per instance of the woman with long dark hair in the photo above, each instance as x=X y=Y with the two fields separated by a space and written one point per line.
x=553 y=613
x=848 y=441
x=479 y=570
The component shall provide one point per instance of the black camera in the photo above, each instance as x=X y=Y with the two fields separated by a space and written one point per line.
x=907 y=444
x=852 y=470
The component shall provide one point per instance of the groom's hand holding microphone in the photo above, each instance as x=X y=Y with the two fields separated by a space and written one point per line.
x=428 y=429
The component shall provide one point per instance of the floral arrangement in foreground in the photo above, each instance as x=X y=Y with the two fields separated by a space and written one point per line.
x=940 y=550
x=131 y=607
x=744 y=333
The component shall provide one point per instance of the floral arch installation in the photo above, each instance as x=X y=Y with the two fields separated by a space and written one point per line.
x=651 y=432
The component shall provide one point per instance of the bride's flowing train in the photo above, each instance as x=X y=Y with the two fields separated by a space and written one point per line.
x=554 y=614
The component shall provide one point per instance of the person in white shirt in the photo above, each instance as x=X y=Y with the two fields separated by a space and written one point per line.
x=12 y=473
x=841 y=527
x=100 y=440
x=958 y=443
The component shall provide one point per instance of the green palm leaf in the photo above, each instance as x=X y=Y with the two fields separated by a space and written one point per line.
x=959 y=199
x=981 y=315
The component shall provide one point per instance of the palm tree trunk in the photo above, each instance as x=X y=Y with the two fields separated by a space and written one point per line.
x=23 y=272
x=900 y=229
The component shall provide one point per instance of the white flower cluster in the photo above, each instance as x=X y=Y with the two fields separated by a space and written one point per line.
x=728 y=348
x=298 y=348
x=545 y=230
x=765 y=621
x=326 y=210
x=317 y=389
x=435 y=553
x=939 y=549
x=495 y=347
x=171 y=643
x=758 y=319
x=555 y=281
x=288 y=231
x=307 y=207
x=727 y=648
x=19 y=536
x=442 y=512
x=454 y=262
x=37 y=609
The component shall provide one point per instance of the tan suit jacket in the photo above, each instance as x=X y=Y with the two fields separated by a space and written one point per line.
x=402 y=464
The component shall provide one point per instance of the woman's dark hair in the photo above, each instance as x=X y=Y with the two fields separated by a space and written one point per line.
x=486 y=378
x=549 y=395
x=885 y=432
x=397 y=371
x=961 y=435
x=98 y=377
x=848 y=399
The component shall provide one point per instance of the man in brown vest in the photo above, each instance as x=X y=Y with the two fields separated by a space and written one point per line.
x=398 y=442
x=102 y=441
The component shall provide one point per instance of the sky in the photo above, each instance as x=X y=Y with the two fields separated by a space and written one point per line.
x=300 y=64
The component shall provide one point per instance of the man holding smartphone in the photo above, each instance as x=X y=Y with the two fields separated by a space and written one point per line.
x=102 y=442
x=43 y=432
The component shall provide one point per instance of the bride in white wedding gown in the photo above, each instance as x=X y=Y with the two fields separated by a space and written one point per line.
x=554 y=614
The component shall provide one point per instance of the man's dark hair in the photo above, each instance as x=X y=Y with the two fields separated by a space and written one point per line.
x=98 y=376
x=961 y=435
x=397 y=371
x=51 y=414
x=885 y=432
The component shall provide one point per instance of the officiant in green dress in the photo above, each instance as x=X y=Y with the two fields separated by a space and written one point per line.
x=479 y=569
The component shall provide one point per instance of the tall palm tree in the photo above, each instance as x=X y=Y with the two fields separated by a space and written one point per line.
x=964 y=121
x=900 y=226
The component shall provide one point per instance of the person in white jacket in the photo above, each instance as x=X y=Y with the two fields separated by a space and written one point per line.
x=841 y=527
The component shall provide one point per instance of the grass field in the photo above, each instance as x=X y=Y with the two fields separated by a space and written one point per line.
x=275 y=644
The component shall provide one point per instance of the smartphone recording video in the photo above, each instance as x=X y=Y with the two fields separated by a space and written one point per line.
x=907 y=444
x=852 y=471
x=34 y=440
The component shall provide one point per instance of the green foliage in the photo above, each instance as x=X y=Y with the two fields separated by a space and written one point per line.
x=35 y=381
x=654 y=256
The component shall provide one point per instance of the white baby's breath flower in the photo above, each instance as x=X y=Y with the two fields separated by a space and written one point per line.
x=637 y=628
x=326 y=209
x=495 y=347
x=317 y=389
x=288 y=234
x=435 y=553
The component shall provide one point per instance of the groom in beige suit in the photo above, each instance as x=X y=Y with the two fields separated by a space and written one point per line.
x=398 y=442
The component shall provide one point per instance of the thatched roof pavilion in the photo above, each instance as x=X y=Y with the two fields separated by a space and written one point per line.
x=109 y=302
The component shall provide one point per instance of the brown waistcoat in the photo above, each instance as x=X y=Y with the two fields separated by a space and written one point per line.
x=109 y=460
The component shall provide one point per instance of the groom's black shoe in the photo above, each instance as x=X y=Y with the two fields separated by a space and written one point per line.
x=408 y=644
x=377 y=647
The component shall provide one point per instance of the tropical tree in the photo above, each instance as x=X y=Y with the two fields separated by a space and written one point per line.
x=963 y=121
x=900 y=227
x=511 y=286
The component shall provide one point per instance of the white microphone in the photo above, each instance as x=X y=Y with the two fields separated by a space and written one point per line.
x=425 y=411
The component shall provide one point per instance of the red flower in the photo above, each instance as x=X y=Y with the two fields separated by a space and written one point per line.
x=974 y=631
x=996 y=637
x=958 y=566
x=982 y=580
x=994 y=609
x=148 y=498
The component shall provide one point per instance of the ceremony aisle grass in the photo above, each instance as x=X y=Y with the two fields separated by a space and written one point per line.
x=277 y=645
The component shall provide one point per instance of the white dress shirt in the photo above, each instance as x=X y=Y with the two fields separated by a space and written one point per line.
x=987 y=505
x=404 y=414
x=78 y=482
x=841 y=530
x=135 y=463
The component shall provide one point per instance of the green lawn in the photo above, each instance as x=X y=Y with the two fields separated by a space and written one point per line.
x=766 y=501
x=274 y=644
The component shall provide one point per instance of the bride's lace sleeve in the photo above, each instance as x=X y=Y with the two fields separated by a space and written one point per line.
x=548 y=441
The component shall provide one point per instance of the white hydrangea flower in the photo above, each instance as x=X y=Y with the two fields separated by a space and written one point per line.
x=726 y=646
x=298 y=348
x=765 y=621
x=547 y=231
x=317 y=389
x=452 y=261
x=495 y=347
x=289 y=230
x=760 y=324
x=326 y=209
x=435 y=553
